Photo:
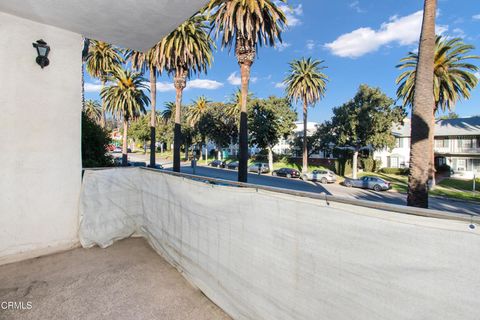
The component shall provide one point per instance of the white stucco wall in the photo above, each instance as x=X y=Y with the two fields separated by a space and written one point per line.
x=40 y=156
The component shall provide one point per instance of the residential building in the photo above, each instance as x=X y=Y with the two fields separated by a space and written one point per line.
x=457 y=144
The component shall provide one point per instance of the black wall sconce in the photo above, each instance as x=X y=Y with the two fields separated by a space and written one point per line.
x=42 y=53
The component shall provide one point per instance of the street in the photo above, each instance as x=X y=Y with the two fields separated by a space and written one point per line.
x=330 y=189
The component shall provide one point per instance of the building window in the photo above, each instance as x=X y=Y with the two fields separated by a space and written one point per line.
x=398 y=142
x=462 y=165
x=466 y=143
x=441 y=143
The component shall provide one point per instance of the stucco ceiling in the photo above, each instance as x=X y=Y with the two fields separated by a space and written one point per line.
x=135 y=24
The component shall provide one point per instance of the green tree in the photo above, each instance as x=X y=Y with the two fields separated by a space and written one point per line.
x=422 y=115
x=93 y=110
x=100 y=61
x=218 y=126
x=140 y=129
x=323 y=139
x=95 y=140
x=270 y=120
x=197 y=110
x=450 y=115
x=126 y=99
x=306 y=82
x=151 y=60
x=454 y=79
x=247 y=24
x=186 y=50
x=366 y=121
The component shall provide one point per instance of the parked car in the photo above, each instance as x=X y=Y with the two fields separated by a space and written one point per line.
x=117 y=150
x=233 y=165
x=286 y=172
x=368 y=182
x=324 y=176
x=259 y=167
x=218 y=164
x=111 y=148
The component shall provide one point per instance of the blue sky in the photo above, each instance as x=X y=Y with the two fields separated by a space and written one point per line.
x=361 y=41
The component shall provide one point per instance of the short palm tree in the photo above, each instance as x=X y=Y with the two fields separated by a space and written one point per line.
x=247 y=24
x=102 y=58
x=422 y=115
x=186 y=50
x=93 y=110
x=197 y=110
x=125 y=98
x=169 y=112
x=306 y=82
x=454 y=79
x=150 y=61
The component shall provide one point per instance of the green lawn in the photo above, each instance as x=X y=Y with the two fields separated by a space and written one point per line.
x=460 y=189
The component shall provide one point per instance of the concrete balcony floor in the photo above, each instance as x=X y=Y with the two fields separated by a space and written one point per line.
x=128 y=280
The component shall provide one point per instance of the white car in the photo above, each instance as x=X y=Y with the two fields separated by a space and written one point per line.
x=324 y=176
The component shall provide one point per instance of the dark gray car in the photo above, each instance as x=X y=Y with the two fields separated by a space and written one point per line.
x=368 y=182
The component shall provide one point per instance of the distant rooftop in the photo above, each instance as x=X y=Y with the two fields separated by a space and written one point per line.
x=468 y=126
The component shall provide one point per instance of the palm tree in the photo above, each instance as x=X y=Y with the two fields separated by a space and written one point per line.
x=186 y=50
x=306 y=82
x=197 y=110
x=454 y=79
x=248 y=24
x=169 y=111
x=151 y=61
x=102 y=58
x=93 y=110
x=423 y=100
x=126 y=99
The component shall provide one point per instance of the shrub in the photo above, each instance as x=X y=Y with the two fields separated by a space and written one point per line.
x=343 y=167
x=368 y=164
x=397 y=171
x=444 y=168
x=94 y=144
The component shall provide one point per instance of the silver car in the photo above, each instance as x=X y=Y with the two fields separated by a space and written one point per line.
x=324 y=176
x=259 y=167
x=368 y=182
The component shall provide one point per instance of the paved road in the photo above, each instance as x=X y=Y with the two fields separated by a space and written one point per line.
x=330 y=189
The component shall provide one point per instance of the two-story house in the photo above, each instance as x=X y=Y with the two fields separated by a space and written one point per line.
x=457 y=144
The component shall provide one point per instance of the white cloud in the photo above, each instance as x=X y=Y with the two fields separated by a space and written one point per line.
x=355 y=5
x=165 y=86
x=476 y=17
x=400 y=30
x=477 y=74
x=280 y=85
x=459 y=33
x=204 y=84
x=92 y=87
x=282 y=46
x=235 y=80
x=310 y=44
x=292 y=13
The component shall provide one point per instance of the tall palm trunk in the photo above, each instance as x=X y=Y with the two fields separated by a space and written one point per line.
x=124 y=144
x=420 y=149
x=432 y=150
x=180 y=82
x=103 y=119
x=305 y=145
x=245 y=53
x=153 y=101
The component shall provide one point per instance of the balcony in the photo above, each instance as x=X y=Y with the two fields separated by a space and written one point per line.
x=128 y=280
x=255 y=252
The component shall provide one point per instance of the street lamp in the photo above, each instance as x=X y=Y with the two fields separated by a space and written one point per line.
x=42 y=53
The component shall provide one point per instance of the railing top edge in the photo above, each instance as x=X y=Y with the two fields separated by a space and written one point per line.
x=430 y=213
